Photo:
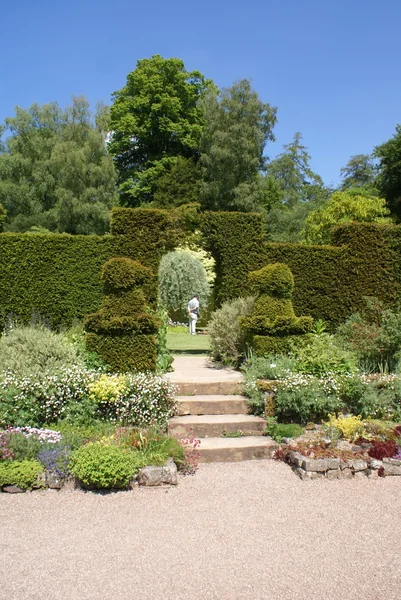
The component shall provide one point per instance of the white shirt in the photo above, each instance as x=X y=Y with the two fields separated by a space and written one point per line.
x=193 y=304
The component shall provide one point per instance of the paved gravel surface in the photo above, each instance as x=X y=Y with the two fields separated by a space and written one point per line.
x=233 y=531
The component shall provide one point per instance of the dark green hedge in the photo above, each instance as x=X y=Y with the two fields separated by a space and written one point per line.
x=236 y=241
x=125 y=352
x=56 y=276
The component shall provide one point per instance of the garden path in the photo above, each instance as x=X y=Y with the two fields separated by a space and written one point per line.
x=250 y=530
x=211 y=408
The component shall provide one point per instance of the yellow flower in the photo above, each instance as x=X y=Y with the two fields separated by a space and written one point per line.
x=108 y=388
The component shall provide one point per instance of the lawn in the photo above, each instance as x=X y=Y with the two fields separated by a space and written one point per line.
x=183 y=342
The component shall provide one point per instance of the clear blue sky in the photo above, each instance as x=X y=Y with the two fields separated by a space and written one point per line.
x=332 y=67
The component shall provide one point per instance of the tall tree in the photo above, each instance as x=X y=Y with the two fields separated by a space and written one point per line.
x=55 y=173
x=292 y=190
x=389 y=171
x=344 y=207
x=154 y=120
x=360 y=171
x=237 y=126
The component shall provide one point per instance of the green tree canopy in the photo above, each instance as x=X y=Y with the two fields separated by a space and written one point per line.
x=237 y=126
x=55 y=173
x=360 y=171
x=181 y=275
x=292 y=190
x=389 y=171
x=344 y=207
x=155 y=119
x=179 y=185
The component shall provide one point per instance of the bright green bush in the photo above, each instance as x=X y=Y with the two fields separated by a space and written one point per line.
x=323 y=354
x=279 y=430
x=25 y=474
x=103 y=466
x=227 y=338
x=304 y=402
x=36 y=349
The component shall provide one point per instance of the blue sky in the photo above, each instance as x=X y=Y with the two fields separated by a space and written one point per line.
x=332 y=67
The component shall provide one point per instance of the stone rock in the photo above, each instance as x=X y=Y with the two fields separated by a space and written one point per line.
x=296 y=459
x=345 y=474
x=375 y=464
x=391 y=469
x=392 y=461
x=358 y=465
x=53 y=481
x=307 y=475
x=151 y=476
x=326 y=441
x=366 y=446
x=373 y=474
x=355 y=448
x=333 y=474
x=317 y=465
x=360 y=474
x=13 y=489
x=333 y=463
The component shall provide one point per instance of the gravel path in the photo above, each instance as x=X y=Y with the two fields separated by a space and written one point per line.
x=233 y=531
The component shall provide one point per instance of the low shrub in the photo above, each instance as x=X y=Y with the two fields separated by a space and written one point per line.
x=155 y=447
x=25 y=474
x=280 y=430
x=350 y=426
x=103 y=466
x=303 y=400
x=56 y=461
x=323 y=354
x=227 y=338
x=32 y=350
x=383 y=449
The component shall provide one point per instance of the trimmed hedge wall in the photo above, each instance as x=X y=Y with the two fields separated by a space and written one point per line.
x=58 y=276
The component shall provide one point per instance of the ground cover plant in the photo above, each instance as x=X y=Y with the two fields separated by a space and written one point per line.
x=99 y=456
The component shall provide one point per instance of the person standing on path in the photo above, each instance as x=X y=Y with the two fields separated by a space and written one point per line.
x=193 y=312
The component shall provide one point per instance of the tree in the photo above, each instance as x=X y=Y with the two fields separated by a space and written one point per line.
x=360 y=171
x=389 y=171
x=181 y=275
x=179 y=185
x=55 y=173
x=292 y=191
x=3 y=214
x=237 y=126
x=344 y=207
x=155 y=119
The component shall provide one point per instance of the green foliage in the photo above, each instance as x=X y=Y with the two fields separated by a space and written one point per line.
x=273 y=318
x=3 y=214
x=292 y=190
x=279 y=430
x=25 y=447
x=323 y=354
x=344 y=207
x=236 y=242
x=155 y=118
x=179 y=185
x=389 y=171
x=35 y=349
x=237 y=126
x=227 y=338
x=359 y=172
x=102 y=466
x=181 y=275
x=120 y=334
x=305 y=403
x=374 y=335
x=55 y=172
x=164 y=357
x=25 y=474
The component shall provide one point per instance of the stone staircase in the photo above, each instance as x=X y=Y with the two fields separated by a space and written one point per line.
x=215 y=412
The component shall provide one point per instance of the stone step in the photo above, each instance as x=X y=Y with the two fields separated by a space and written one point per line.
x=203 y=426
x=236 y=449
x=208 y=388
x=212 y=405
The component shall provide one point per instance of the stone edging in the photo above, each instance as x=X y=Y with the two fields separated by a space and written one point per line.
x=335 y=468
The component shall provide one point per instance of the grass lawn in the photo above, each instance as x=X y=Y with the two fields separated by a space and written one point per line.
x=183 y=342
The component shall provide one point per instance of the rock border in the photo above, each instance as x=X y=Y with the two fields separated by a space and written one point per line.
x=150 y=476
x=335 y=468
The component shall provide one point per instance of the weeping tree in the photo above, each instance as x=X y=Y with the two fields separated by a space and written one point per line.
x=181 y=275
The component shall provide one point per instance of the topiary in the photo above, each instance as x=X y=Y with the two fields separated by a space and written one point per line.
x=100 y=466
x=122 y=331
x=273 y=325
